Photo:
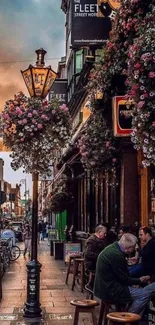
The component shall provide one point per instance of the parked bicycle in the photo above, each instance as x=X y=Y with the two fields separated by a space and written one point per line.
x=15 y=252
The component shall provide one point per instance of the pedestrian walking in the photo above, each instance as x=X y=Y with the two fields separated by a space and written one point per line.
x=43 y=231
x=39 y=231
x=27 y=235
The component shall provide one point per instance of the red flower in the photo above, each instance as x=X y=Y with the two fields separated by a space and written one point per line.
x=137 y=66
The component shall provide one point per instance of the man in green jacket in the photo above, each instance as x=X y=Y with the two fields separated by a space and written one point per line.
x=112 y=281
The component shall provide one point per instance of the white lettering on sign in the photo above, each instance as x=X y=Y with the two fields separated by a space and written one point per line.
x=85 y=10
x=61 y=97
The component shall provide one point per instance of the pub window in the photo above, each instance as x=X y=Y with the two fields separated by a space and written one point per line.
x=78 y=61
x=98 y=54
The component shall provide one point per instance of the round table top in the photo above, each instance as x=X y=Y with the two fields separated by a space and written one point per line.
x=84 y=303
x=123 y=317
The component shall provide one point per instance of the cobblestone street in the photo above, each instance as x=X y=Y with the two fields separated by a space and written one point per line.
x=55 y=296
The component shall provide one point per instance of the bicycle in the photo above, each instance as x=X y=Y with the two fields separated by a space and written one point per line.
x=15 y=252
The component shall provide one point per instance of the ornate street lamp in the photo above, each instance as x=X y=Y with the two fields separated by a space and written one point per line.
x=38 y=80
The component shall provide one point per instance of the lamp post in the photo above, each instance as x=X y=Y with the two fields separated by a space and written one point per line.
x=38 y=80
x=23 y=181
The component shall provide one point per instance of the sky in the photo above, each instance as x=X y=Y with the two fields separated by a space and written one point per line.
x=26 y=25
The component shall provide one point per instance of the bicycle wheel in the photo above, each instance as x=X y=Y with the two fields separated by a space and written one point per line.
x=15 y=253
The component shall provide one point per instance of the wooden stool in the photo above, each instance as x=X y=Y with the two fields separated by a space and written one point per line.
x=84 y=306
x=70 y=265
x=122 y=317
x=76 y=276
x=104 y=310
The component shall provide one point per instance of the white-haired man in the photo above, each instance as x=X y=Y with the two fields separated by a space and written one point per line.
x=112 y=281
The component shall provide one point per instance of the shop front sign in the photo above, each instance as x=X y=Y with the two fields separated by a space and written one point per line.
x=59 y=91
x=122 y=116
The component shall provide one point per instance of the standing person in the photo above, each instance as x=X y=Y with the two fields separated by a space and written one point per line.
x=27 y=235
x=39 y=231
x=48 y=227
x=112 y=280
x=43 y=230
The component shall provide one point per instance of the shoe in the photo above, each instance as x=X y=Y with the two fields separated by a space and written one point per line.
x=89 y=288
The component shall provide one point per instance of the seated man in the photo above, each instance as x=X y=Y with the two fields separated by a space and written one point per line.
x=147 y=252
x=93 y=247
x=112 y=281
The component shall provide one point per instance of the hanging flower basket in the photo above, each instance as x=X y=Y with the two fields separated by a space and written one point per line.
x=141 y=81
x=60 y=201
x=33 y=129
x=97 y=145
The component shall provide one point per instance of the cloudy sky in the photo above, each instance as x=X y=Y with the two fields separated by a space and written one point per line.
x=26 y=25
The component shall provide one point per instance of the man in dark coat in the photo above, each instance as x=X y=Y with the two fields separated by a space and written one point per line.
x=147 y=253
x=112 y=281
x=93 y=247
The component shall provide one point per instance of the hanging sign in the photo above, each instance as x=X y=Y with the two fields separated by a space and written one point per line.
x=91 y=21
x=122 y=116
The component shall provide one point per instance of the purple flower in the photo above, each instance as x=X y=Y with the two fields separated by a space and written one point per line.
x=6 y=116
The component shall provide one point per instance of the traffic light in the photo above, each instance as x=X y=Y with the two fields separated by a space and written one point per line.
x=2 y=197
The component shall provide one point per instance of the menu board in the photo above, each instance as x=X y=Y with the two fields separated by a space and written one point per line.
x=70 y=249
x=53 y=234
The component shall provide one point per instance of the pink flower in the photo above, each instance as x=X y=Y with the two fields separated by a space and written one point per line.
x=39 y=126
x=141 y=104
x=114 y=160
x=107 y=144
x=63 y=107
x=34 y=121
x=24 y=121
x=151 y=74
x=53 y=111
x=22 y=139
x=43 y=116
x=6 y=116
x=84 y=154
x=19 y=122
x=29 y=115
x=18 y=110
x=35 y=112
x=153 y=123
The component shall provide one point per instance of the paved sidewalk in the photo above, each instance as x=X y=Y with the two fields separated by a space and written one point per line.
x=55 y=296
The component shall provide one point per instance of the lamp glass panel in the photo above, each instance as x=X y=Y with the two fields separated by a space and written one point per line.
x=28 y=81
x=49 y=82
x=39 y=79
